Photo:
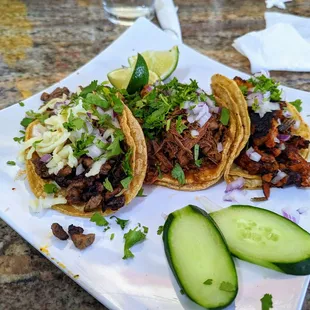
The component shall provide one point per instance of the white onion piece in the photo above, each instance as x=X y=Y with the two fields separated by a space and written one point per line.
x=255 y=156
x=279 y=121
x=220 y=147
x=290 y=214
x=262 y=72
x=79 y=169
x=215 y=110
x=249 y=151
x=280 y=175
x=194 y=133
x=100 y=110
x=237 y=184
x=282 y=147
x=210 y=102
x=297 y=124
x=199 y=113
x=200 y=91
x=287 y=114
x=229 y=197
x=254 y=97
x=94 y=151
x=266 y=96
x=276 y=140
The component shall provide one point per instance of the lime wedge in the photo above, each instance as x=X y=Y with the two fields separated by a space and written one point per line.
x=119 y=78
x=163 y=63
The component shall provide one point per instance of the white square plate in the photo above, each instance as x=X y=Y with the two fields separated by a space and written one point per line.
x=144 y=282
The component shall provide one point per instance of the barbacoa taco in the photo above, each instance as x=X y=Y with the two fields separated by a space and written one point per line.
x=189 y=133
x=84 y=151
x=276 y=152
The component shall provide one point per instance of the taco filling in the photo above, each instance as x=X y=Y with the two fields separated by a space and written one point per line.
x=279 y=140
x=79 y=144
x=185 y=132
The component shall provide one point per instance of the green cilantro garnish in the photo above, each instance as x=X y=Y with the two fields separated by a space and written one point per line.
x=297 y=104
x=99 y=219
x=118 y=106
x=160 y=230
x=140 y=193
x=112 y=236
x=208 y=282
x=19 y=139
x=145 y=229
x=178 y=173
x=73 y=123
x=114 y=148
x=255 y=106
x=88 y=89
x=180 y=126
x=224 y=119
x=50 y=188
x=264 y=84
x=107 y=184
x=168 y=123
x=26 y=121
x=120 y=222
x=107 y=228
x=266 y=301
x=125 y=182
x=127 y=162
x=35 y=143
x=227 y=287
x=243 y=89
x=133 y=237
x=196 y=155
x=80 y=145
x=41 y=117
x=160 y=175
x=11 y=163
x=21 y=104
x=96 y=100
x=101 y=144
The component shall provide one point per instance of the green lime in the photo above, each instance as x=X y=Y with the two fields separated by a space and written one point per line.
x=163 y=63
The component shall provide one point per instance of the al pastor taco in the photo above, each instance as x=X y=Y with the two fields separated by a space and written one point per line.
x=189 y=133
x=84 y=152
x=277 y=150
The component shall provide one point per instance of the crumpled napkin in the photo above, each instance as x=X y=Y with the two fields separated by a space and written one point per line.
x=279 y=47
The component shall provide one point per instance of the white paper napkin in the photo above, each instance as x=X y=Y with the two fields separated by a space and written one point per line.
x=301 y=24
x=279 y=47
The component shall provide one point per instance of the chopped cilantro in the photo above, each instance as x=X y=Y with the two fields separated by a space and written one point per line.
x=99 y=219
x=101 y=144
x=114 y=148
x=40 y=117
x=160 y=230
x=21 y=104
x=208 y=282
x=107 y=228
x=50 y=188
x=80 y=145
x=19 y=139
x=133 y=237
x=26 y=121
x=180 y=126
x=73 y=123
x=11 y=163
x=255 y=106
x=112 y=236
x=35 y=143
x=145 y=229
x=178 y=173
x=127 y=162
x=95 y=99
x=88 y=89
x=140 y=193
x=120 y=222
x=108 y=186
x=118 y=106
x=243 y=89
x=297 y=104
x=224 y=119
x=160 y=175
x=227 y=287
x=22 y=132
x=266 y=301
x=196 y=155
x=125 y=182
x=168 y=123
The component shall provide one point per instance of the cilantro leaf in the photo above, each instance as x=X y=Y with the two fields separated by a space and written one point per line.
x=99 y=219
x=120 y=222
x=145 y=229
x=264 y=84
x=35 y=143
x=180 y=126
x=21 y=104
x=80 y=145
x=114 y=148
x=107 y=184
x=227 y=287
x=168 y=124
x=41 y=117
x=107 y=228
x=266 y=301
x=243 y=89
x=131 y=238
x=125 y=182
x=112 y=236
x=178 y=173
x=196 y=155
x=11 y=163
x=118 y=106
x=297 y=104
x=88 y=89
x=140 y=192
x=96 y=100
x=208 y=282
x=160 y=230
x=224 y=119
x=127 y=162
x=50 y=188
x=73 y=123
x=19 y=139
x=160 y=175
x=26 y=121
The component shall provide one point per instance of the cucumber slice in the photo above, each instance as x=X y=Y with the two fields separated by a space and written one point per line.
x=265 y=238
x=199 y=258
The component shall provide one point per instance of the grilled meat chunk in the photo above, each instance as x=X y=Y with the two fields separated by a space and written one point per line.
x=59 y=232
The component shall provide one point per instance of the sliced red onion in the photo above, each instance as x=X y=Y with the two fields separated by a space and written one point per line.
x=194 y=133
x=79 y=169
x=297 y=124
x=255 y=156
x=287 y=114
x=237 y=184
x=280 y=175
x=89 y=114
x=290 y=214
x=283 y=137
x=282 y=146
x=220 y=147
x=303 y=210
x=276 y=140
x=254 y=97
x=94 y=151
x=46 y=158
x=229 y=197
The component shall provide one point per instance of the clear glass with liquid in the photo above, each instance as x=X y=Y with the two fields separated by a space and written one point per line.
x=125 y=12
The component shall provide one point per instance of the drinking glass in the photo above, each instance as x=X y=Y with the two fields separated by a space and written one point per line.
x=125 y=12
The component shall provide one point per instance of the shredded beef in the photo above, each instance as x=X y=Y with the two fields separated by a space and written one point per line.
x=115 y=203
x=57 y=93
x=40 y=168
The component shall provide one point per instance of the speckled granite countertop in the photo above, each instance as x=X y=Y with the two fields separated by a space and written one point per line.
x=41 y=42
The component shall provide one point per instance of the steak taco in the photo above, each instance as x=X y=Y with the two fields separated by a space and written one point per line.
x=277 y=150
x=84 y=152
x=189 y=133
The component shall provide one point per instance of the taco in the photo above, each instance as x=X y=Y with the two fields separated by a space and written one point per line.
x=278 y=147
x=84 y=152
x=189 y=133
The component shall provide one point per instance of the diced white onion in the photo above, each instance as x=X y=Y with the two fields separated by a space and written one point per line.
x=199 y=113
x=237 y=184
x=280 y=175
x=194 y=133
x=94 y=151
x=282 y=147
x=276 y=140
x=279 y=121
x=95 y=169
x=255 y=156
x=79 y=169
x=249 y=151
x=297 y=124
x=220 y=147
